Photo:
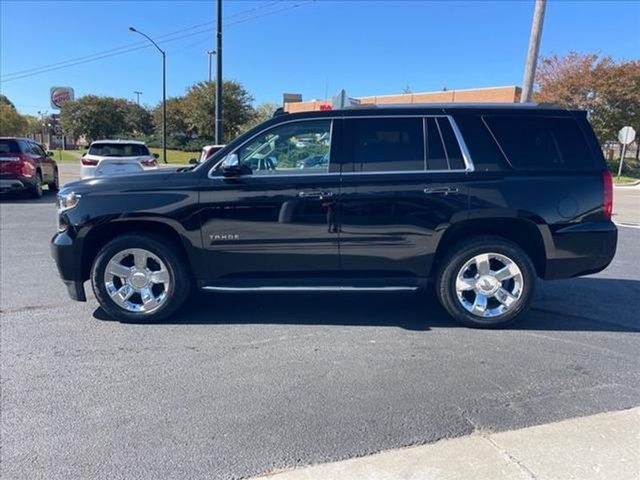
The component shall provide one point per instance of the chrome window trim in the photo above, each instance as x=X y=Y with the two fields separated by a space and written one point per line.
x=466 y=156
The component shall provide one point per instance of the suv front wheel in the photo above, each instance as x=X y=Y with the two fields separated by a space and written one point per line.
x=486 y=282
x=137 y=278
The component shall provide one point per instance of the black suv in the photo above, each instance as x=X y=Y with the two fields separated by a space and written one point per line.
x=477 y=199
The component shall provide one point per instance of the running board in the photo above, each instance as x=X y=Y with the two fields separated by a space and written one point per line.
x=310 y=289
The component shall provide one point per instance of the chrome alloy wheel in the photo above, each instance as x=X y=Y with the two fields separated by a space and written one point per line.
x=137 y=280
x=489 y=285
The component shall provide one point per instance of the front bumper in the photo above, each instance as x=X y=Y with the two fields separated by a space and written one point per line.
x=67 y=254
x=581 y=249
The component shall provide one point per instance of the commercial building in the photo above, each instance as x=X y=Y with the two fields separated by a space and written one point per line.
x=509 y=94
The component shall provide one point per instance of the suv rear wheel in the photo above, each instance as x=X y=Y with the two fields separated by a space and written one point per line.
x=137 y=278
x=36 y=189
x=486 y=282
x=55 y=185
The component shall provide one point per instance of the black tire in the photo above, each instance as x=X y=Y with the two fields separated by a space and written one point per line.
x=167 y=252
x=462 y=253
x=36 y=189
x=55 y=185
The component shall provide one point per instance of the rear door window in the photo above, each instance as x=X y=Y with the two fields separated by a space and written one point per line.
x=385 y=144
x=541 y=143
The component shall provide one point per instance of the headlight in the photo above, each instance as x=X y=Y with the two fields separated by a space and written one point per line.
x=67 y=201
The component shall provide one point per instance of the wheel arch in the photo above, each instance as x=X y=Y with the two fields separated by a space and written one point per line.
x=523 y=232
x=99 y=235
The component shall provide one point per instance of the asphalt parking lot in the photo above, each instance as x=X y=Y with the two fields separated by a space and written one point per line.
x=236 y=385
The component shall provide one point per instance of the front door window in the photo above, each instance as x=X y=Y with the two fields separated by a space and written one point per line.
x=295 y=148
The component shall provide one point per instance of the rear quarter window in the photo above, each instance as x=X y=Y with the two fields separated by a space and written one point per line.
x=541 y=142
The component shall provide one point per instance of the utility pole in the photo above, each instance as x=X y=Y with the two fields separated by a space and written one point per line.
x=218 y=120
x=210 y=53
x=532 y=53
x=138 y=96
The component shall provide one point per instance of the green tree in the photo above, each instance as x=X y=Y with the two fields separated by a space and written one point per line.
x=608 y=90
x=11 y=122
x=5 y=101
x=92 y=117
x=261 y=113
x=199 y=109
x=137 y=119
x=176 y=122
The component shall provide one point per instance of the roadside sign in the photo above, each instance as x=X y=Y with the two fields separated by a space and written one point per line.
x=626 y=135
x=60 y=96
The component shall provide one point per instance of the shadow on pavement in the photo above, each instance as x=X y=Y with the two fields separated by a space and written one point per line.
x=23 y=197
x=582 y=304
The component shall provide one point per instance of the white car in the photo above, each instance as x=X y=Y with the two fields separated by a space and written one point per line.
x=207 y=151
x=117 y=157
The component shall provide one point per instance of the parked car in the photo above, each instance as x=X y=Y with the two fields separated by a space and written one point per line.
x=26 y=166
x=106 y=158
x=477 y=200
x=206 y=152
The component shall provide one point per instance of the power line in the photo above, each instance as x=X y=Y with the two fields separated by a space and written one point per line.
x=130 y=47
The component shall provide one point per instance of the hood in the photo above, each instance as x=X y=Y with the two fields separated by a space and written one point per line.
x=148 y=179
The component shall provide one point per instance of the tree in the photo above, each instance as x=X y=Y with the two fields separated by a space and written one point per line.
x=609 y=91
x=92 y=117
x=11 y=122
x=176 y=122
x=199 y=109
x=96 y=117
x=137 y=119
x=5 y=101
x=261 y=113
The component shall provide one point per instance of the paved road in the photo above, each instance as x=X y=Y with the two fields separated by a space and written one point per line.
x=236 y=385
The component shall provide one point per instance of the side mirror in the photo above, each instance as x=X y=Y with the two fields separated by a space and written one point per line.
x=231 y=166
x=49 y=154
x=156 y=156
x=193 y=161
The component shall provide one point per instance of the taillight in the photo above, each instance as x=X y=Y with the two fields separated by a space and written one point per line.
x=89 y=162
x=27 y=166
x=607 y=201
x=149 y=163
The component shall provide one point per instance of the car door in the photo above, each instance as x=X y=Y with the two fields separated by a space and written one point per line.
x=403 y=183
x=274 y=226
x=45 y=163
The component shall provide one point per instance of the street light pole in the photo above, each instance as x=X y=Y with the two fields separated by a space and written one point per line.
x=137 y=96
x=210 y=53
x=164 y=92
x=218 y=122
x=532 y=53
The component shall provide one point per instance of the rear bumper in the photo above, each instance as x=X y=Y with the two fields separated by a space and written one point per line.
x=68 y=257
x=14 y=183
x=581 y=249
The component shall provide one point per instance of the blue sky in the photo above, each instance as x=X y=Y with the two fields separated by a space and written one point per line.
x=304 y=46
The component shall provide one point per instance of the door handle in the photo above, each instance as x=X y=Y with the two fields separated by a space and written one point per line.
x=440 y=190
x=315 y=194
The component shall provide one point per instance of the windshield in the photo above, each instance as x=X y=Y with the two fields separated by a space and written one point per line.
x=118 y=150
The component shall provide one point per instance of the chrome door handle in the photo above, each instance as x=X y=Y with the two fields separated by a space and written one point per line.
x=315 y=194
x=440 y=190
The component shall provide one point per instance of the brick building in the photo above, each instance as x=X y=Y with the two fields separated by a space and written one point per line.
x=475 y=95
